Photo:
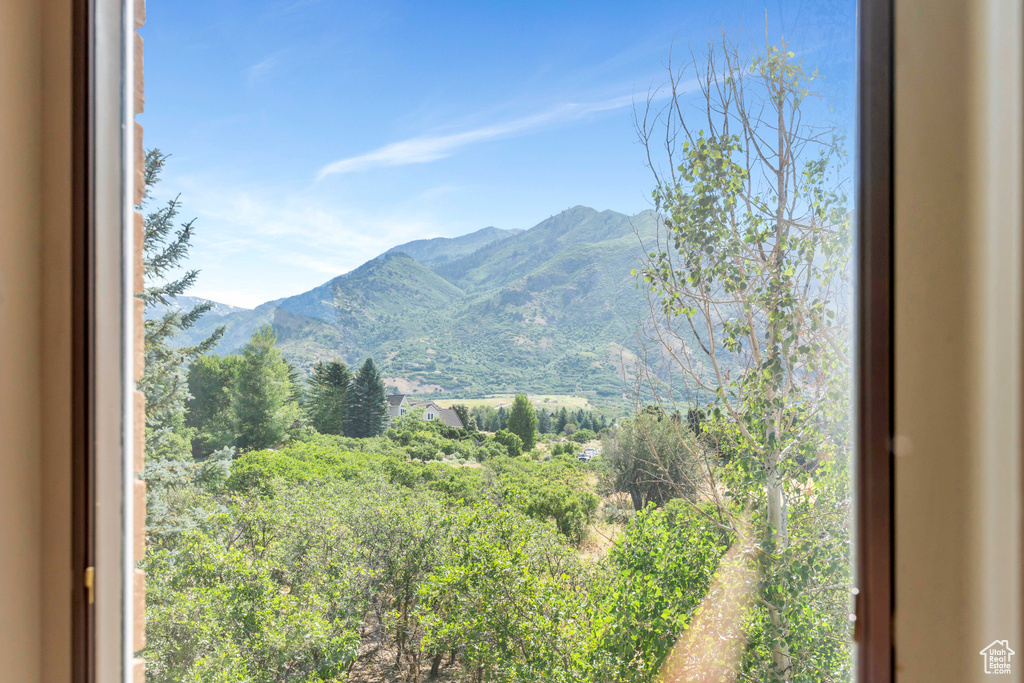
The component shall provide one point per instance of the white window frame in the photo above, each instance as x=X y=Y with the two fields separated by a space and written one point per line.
x=113 y=383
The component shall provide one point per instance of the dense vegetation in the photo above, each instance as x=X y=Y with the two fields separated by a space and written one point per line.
x=580 y=425
x=291 y=564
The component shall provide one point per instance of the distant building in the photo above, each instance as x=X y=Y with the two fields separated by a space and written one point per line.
x=400 y=404
x=397 y=405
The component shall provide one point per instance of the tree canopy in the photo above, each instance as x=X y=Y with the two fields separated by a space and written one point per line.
x=260 y=400
x=328 y=397
x=166 y=245
x=522 y=421
x=366 y=409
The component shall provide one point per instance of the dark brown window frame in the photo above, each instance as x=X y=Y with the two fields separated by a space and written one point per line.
x=874 y=338
x=874 y=368
x=83 y=625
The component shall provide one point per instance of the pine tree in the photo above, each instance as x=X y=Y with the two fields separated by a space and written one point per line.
x=502 y=418
x=543 y=422
x=211 y=382
x=261 y=401
x=480 y=415
x=468 y=421
x=296 y=391
x=522 y=421
x=165 y=249
x=366 y=411
x=328 y=395
x=561 y=420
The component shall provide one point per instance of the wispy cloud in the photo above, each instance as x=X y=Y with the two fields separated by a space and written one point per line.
x=261 y=68
x=421 y=150
x=255 y=245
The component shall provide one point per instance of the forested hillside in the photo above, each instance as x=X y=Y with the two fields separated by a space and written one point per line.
x=546 y=310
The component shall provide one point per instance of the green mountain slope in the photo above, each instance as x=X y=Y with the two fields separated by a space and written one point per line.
x=547 y=310
x=390 y=296
x=440 y=250
x=519 y=257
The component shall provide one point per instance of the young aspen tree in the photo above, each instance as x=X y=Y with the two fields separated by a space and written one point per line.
x=748 y=284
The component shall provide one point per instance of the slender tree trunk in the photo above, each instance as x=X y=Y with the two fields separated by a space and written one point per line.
x=777 y=518
x=435 y=664
x=776 y=493
x=414 y=668
x=638 y=501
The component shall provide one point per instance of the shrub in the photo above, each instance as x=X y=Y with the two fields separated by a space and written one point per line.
x=510 y=441
x=582 y=436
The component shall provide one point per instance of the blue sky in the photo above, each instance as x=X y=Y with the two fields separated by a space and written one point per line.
x=308 y=136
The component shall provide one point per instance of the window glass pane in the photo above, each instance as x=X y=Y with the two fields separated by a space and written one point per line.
x=499 y=341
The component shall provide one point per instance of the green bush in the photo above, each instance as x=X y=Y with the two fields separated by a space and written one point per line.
x=582 y=436
x=510 y=441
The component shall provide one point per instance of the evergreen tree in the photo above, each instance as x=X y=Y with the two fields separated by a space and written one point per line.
x=544 y=422
x=561 y=420
x=296 y=391
x=261 y=401
x=480 y=415
x=502 y=418
x=366 y=412
x=492 y=420
x=328 y=395
x=211 y=381
x=522 y=421
x=165 y=249
x=468 y=421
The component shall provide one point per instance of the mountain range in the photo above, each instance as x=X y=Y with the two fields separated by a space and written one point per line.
x=549 y=310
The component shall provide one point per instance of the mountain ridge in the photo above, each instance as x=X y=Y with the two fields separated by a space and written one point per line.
x=542 y=310
x=434 y=251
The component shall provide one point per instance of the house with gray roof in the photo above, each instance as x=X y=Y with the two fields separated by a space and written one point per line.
x=400 y=404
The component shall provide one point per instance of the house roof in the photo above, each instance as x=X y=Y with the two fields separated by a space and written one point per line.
x=424 y=404
x=445 y=415
x=450 y=418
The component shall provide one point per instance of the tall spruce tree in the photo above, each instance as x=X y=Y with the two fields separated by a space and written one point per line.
x=166 y=245
x=522 y=421
x=480 y=416
x=262 y=400
x=561 y=420
x=328 y=396
x=366 y=411
x=543 y=422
